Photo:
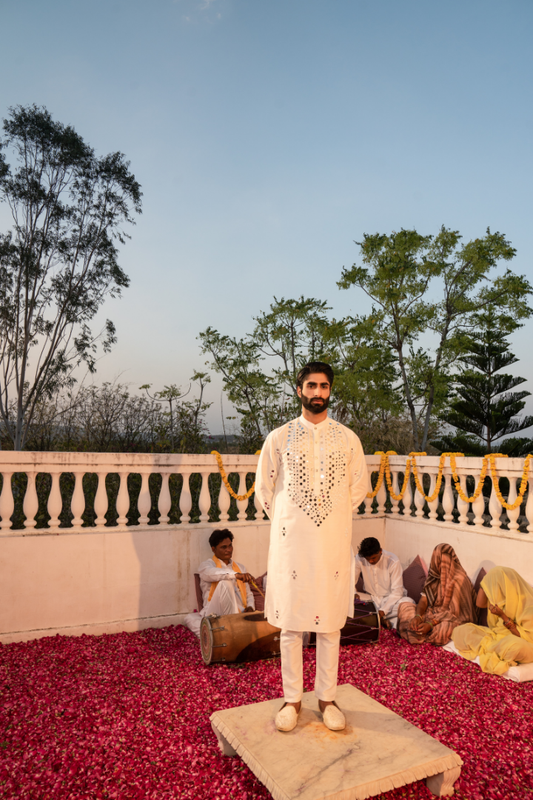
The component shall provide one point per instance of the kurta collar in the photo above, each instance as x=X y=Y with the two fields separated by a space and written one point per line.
x=311 y=425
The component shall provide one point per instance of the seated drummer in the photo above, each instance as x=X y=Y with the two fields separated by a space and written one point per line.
x=225 y=584
x=383 y=579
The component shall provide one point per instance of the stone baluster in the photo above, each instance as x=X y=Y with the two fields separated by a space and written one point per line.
x=7 y=503
x=418 y=498
x=55 y=503
x=242 y=505
x=185 y=498
x=434 y=505
x=224 y=502
x=144 y=503
x=479 y=505
x=396 y=489
x=77 y=505
x=205 y=498
x=123 y=499
x=529 y=506
x=462 y=505
x=165 y=500
x=513 y=515
x=100 y=501
x=448 y=498
x=409 y=498
x=30 y=505
x=381 y=497
x=495 y=508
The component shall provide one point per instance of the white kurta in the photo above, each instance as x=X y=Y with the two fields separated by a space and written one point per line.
x=310 y=479
x=383 y=581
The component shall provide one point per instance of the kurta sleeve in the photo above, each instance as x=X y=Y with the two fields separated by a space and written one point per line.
x=267 y=473
x=209 y=573
x=396 y=577
x=358 y=474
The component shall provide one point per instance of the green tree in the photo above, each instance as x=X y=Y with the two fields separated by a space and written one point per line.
x=59 y=261
x=403 y=273
x=259 y=372
x=484 y=409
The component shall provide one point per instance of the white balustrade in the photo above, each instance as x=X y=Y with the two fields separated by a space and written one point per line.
x=448 y=500
x=196 y=503
x=205 y=498
x=434 y=504
x=165 y=499
x=55 y=503
x=7 y=502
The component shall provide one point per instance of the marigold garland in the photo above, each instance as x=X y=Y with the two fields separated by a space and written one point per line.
x=489 y=462
x=225 y=481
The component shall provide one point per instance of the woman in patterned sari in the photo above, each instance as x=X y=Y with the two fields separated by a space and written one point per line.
x=508 y=640
x=447 y=600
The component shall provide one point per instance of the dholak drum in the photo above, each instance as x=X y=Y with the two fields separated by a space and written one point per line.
x=363 y=627
x=238 y=637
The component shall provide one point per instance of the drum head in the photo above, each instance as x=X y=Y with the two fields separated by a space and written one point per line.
x=206 y=640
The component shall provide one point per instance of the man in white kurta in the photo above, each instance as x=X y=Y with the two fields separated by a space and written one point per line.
x=225 y=584
x=383 y=579
x=311 y=477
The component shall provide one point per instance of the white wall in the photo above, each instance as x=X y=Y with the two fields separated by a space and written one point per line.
x=132 y=578
x=109 y=580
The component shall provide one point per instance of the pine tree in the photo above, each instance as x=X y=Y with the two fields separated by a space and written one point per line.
x=484 y=409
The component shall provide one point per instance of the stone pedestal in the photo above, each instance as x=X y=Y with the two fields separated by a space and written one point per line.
x=378 y=750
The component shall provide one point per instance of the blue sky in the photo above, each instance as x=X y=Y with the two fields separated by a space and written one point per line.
x=268 y=135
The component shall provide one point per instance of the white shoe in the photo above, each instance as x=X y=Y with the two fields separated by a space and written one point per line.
x=286 y=718
x=333 y=718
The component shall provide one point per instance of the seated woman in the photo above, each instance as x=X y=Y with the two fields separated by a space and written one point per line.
x=447 y=600
x=508 y=640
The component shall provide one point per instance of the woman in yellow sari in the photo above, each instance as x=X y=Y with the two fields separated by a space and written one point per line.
x=508 y=640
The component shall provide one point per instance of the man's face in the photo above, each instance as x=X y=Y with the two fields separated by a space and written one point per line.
x=224 y=550
x=315 y=392
x=374 y=559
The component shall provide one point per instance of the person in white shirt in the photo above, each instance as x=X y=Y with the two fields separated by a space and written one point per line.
x=225 y=584
x=311 y=478
x=383 y=579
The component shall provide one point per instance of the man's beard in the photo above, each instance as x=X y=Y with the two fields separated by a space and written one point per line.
x=316 y=405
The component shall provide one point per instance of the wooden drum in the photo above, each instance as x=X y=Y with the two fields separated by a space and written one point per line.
x=238 y=637
x=363 y=627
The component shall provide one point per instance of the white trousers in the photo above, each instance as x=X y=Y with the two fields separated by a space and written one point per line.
x=224 y=601
x=327 y=665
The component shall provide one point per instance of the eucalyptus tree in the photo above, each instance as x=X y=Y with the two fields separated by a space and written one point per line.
x=425 y=293
x=59 y=261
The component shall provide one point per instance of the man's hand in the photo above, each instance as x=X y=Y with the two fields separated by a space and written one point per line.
x=249 y=608
x=245 y=577
x=356 y=597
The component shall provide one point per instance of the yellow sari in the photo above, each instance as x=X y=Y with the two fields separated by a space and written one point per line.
x=496 y=647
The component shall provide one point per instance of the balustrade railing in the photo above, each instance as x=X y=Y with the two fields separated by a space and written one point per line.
x=44 y=491
x=448 y=506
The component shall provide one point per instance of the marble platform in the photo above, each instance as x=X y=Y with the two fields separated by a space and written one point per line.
x=378 y=750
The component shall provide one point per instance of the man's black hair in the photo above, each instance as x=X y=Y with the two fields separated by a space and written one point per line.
x=219 y=535
x=369 y=547
x=315 y=366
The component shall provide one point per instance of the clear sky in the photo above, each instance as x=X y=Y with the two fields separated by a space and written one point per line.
x=268 y=135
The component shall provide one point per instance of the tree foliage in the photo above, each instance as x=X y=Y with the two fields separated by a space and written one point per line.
x=426 y=291
x=59 y=261
x=259 y=371
x=484 y=409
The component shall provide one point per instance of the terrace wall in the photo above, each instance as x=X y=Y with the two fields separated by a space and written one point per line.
x=114 y=575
